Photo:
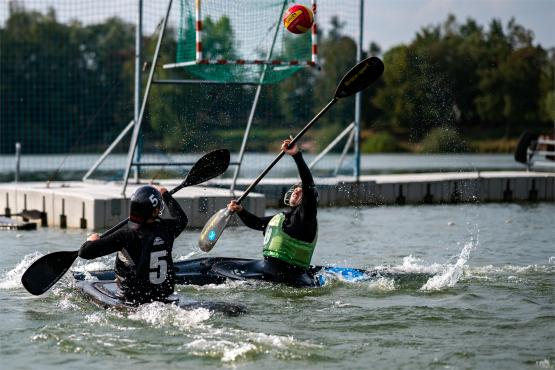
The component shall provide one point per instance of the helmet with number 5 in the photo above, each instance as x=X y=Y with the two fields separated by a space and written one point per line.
x=146 y=203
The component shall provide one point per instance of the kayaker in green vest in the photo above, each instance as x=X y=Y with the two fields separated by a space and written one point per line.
x=289 y=236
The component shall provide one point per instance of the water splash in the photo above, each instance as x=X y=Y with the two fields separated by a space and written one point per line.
x=159 y=314
x=544 y=364
x=224 y=344
x=96 y=318
x=230 y=285
x=382 y=285
x=103 y=263
x=452 y=273
x=414 y=265
x=188 y=256
x=226 y=350
x=476 y=271
x=65 y=304
x=12 y=279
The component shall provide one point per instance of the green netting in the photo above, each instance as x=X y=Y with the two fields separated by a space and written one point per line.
x=241 y=29
x=67 y=84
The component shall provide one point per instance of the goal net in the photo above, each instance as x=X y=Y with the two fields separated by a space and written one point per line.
x=241 y=41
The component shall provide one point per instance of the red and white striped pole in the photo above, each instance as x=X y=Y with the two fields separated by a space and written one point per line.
x=314 y=34
x=198 y=31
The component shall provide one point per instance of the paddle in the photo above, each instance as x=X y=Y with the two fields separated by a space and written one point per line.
x=48 y=269
x=356 y=80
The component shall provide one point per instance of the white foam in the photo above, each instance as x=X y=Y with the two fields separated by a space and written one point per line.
x=12 y=279
x=160 y=314
x=222 y=343
x=276 y=341
x=186 y=257
x=240 y=351
x=544 y=364
x=413 y=264
x=452 y=273
x=96 y=318
x=96 y=265
x=512 y=269
x=382 y=285
x=228 y=285
x=65 y=304
x=39 y=337
x=339 y=304
x=226 y=350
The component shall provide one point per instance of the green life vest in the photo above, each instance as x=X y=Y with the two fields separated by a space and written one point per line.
x=278 y=244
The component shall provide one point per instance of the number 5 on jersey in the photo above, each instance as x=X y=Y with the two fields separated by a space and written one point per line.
x=158 y=267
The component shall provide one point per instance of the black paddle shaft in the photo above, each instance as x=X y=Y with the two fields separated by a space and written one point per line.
x=281 y=154
x=355 y=80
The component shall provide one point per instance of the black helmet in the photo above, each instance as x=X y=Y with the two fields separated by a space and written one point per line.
x=287 y=196
x=144 y=201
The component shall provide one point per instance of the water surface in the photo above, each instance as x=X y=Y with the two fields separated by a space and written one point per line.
x=490 y=304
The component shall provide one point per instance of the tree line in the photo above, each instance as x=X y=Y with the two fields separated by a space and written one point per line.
x=69 y=87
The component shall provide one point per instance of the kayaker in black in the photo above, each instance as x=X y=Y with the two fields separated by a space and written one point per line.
x=290 y=236
x=144 y=265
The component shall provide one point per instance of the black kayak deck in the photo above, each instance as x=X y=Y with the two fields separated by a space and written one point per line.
x=218 y=270
x=107 y=294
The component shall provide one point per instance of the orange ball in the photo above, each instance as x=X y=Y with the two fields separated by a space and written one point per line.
x=298 y=19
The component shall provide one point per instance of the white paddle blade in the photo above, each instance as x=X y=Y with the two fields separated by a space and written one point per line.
x=213 y=229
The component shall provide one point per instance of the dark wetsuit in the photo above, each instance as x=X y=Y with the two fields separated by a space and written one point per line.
x=300 y=223
x=144 y=265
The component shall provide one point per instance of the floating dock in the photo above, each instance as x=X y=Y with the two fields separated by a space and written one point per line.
x=425 y=188
x=97 y=206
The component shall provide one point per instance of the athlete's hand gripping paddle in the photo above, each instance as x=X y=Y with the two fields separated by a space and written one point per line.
x=356 y=80
x=48 y=269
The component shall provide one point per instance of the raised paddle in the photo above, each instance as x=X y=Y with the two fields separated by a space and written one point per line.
x=356 y=80
x=48 y=269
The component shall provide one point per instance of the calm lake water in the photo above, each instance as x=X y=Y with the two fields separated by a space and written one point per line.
x=490 y=304
x=38 y=167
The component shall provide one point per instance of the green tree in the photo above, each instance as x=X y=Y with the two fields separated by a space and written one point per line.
x=462 y=76
x=62 y=84
x=510 y=87
x=547 y=104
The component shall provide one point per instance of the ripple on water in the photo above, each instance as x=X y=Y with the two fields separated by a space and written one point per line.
x=498 y=314
x=230 y=345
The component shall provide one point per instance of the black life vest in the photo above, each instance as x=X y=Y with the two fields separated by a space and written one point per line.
x=144 y=268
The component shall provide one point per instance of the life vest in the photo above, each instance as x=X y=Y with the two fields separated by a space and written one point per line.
x=280 y=245
x=145 y=269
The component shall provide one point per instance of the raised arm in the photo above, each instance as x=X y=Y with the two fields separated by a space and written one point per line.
x=304 y=172
x=178 y=215
x=309 y=201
